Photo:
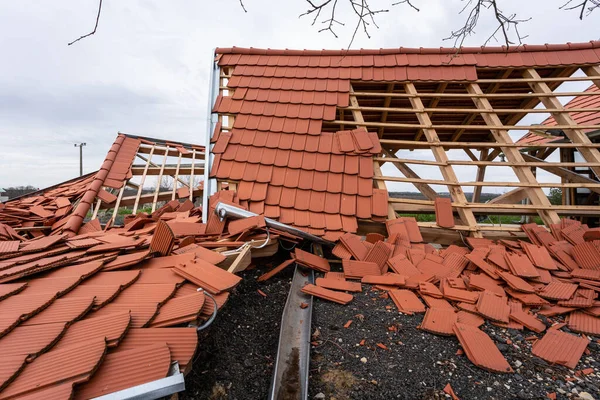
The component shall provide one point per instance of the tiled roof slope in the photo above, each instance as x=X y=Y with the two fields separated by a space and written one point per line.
x=287 y=167
x=581 y=118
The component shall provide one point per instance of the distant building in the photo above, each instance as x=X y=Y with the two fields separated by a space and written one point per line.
x=3 y=196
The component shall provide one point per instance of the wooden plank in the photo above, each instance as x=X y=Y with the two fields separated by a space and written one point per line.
x=360 y=123
x=488 y=184
x=443 y=110
x=486 y=163
x=456 y=192
x=242 y=261
x=176 y=177
x=144 y=173
x=159 y=179
x=594 y=73
x=483 y=95
x=191 y=185
x=468 y=127
x=480 y=176
x=511 y=197
x=572 y=130
x=407 y=144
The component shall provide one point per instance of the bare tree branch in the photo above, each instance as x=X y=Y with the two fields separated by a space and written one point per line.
x=507 y=24
x=243 y=7
x=582 y=6
x=95 y=26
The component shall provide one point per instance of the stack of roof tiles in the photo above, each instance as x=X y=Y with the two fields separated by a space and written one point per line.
x=103 y=311
x=507 y=283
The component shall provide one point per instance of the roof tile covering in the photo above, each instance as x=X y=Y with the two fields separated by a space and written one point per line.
x=560 y=348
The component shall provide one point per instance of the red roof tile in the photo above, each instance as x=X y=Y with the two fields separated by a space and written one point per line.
x=561 y=348
x=127 y=368
x=558 y=291
x=354 y=269
x=182 y=342
x=581 y=322
x=480 y=349
x=443 y=212
x=493 y=307
x=327 y=294
x=77 y=363
x=337 y=284
x=311 y=260
x=207 y=276
x=406 y=301
x=439 y=321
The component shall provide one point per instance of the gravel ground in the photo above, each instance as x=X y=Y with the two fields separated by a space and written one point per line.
x=236 y=354
x=417 y=365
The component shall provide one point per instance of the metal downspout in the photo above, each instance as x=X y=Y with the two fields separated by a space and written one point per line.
x=211 y=121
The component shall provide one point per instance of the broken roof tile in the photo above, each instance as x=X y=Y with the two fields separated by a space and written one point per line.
x=480 y=349
x=327 y=294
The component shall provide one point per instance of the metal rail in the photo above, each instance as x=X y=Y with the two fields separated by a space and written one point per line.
x=290 y=377
x=229 y=211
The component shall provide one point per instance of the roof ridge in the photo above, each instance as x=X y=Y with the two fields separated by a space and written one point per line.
x=592 y=44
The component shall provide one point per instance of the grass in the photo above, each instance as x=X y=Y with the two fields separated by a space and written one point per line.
x=491 y=219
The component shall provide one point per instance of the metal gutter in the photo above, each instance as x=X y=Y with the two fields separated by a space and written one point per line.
x=211 y=121
x=173 y=383
x=229 y=211
x=290 y=377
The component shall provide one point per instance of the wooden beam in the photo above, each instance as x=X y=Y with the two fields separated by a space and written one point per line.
x=443 y=110
x=386 y=104
x=406 y=144
x=511 y=197
x=456 y=192
x=594 y=73
x=360 y=123
x=524 y=174
x=489 y=184
x=485 y=163
x=139 y=192
x=425 y=189
x=572 y=130
x=159 y=179
x=469 y=127
x=479 y=178
x=176 y=177
x=483 y=95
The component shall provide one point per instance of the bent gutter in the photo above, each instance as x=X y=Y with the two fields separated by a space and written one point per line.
x=71 y=227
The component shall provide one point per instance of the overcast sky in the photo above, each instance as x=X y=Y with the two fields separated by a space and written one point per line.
x=146 y=70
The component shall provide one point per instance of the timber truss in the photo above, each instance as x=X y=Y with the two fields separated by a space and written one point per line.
x=478 y=118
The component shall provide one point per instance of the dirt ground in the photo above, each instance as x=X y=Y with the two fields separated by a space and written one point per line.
x=236 y=354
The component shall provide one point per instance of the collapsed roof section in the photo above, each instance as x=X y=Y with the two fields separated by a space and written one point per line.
x=277 y=107
x=167 y=171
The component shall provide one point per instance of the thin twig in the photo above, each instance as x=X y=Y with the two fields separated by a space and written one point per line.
x=95 y=26
x=243 y=7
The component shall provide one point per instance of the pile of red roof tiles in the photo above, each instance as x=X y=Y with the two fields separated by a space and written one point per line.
x=507 y=283
x=105 y=310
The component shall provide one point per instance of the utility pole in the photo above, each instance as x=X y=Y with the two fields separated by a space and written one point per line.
x=80 y=145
